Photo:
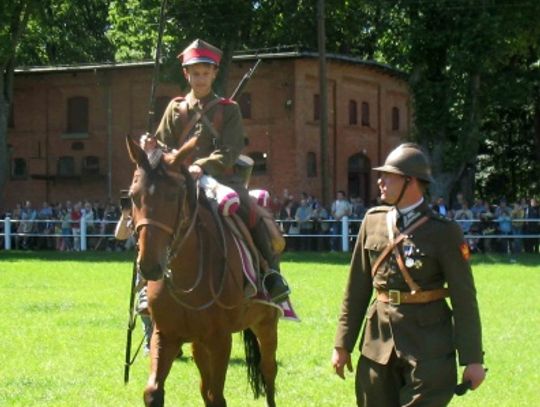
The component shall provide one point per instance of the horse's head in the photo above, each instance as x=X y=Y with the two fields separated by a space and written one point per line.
x=159 y=193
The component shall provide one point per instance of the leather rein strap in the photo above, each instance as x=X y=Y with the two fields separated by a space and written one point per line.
x=393 y=247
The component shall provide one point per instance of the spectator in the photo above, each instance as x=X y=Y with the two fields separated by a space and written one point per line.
x=67 y=234
x=288 y=225
x=45 y=226
x=532 y=226
x=321 y=225
x=441 y=208
x=88 y=214
x=504 y=219
x=341 y=208
x=27 y=225
x=517 y=214
x=303 y=217
x=76 y=215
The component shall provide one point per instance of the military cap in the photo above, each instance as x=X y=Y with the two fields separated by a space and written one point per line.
x=408 y=159
x=198 y=52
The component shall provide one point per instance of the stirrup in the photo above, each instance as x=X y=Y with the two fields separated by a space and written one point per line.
x=275 y=286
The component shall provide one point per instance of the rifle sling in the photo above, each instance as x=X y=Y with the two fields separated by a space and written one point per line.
x=393 y=247
x=195 y=118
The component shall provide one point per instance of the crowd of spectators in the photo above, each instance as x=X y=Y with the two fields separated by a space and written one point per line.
x=502 y=227
x=57 y=226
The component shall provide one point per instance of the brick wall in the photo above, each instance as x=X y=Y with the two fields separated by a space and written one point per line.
x=282 y=125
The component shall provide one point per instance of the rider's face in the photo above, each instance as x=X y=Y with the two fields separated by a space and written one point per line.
x=200 y=77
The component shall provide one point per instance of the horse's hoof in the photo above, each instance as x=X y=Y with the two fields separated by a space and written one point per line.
x=154 y=397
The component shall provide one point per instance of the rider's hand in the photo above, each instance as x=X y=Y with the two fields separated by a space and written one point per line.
x=340 y=359
x=195 y=171
x=148 y=142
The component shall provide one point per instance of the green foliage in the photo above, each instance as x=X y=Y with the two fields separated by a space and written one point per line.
x=66 y=313
x=471 y=64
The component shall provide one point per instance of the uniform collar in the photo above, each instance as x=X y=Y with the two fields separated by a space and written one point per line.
x=410 y=208
x=199 y=103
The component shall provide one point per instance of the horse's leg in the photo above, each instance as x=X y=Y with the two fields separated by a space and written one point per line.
x=212 y=359
x=163 y=351
x=266 y=333
x=201 y=357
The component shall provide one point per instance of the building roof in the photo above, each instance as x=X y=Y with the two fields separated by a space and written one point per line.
x=383 y=68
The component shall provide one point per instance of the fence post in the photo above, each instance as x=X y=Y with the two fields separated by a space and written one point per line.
x=345 y=234
x=83 y=233
x=7 y=233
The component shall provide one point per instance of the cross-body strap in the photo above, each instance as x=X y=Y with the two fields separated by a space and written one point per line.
x=195 y=118
x=395 y=244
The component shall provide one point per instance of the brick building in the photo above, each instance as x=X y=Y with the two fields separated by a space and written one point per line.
x=67 y=125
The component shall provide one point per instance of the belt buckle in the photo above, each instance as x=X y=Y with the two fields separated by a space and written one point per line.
x=394 y=297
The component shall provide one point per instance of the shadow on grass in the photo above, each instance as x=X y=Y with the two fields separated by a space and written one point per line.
x=522 y=259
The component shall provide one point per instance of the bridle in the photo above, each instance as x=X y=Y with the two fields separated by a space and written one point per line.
x=179 y=235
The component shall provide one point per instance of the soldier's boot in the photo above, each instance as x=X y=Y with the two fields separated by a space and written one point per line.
x=273 y=282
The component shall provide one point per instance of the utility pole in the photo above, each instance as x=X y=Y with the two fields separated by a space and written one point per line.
x=323 y=103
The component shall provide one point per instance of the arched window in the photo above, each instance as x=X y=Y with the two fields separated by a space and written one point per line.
x=77 y=115
x=365 y=114
x=311 y=164
x=259 y=159
x=353 y=112
x=395 y=118
x=245 y=105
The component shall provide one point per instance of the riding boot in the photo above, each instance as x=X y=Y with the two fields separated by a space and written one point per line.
x=273 y=282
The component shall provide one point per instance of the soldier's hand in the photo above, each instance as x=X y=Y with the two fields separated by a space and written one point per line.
x=475 y=374
x=195 y=171
x=148 y=142
x=340 y=359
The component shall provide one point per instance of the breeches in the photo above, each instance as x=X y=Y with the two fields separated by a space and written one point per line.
x=405 y=383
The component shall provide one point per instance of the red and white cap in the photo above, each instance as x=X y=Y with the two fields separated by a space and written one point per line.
x=200 y=52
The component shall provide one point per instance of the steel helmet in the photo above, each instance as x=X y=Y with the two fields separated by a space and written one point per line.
x=408 y=159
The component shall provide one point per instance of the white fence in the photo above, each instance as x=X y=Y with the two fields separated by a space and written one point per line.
x=340 y=234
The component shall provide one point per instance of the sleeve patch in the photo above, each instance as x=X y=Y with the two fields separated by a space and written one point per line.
x=465 y=252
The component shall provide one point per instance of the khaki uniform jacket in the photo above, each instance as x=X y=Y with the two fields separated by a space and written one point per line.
x=414 y=331
x=216 y=156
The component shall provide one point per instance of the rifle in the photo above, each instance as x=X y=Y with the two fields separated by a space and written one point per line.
x=131 y=324
x=247 y=76
x=151 y=118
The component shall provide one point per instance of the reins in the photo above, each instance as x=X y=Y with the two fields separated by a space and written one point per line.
x=179 y=236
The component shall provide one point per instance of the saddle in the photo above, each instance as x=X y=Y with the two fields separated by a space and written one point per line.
x=254 y=264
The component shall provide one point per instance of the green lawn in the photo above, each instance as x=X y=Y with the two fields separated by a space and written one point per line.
x=64 y=321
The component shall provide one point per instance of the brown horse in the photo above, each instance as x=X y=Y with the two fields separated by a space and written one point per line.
x=195 y=283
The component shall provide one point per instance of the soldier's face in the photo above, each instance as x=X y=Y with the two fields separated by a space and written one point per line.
x=200 y=77
x=390 y=186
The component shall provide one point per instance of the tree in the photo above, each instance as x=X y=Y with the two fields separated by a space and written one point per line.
x=16 y=14
x=44 y=33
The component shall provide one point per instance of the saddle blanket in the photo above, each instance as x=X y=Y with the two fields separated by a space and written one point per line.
x=286 y=309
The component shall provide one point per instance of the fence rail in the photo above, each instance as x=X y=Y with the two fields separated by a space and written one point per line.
x=341 y=234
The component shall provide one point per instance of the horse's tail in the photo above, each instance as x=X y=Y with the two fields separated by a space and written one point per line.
x=253 y=362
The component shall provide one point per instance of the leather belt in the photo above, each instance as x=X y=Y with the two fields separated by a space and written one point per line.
x=396 y=297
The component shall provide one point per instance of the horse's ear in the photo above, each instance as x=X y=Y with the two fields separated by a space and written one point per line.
x=136 y=153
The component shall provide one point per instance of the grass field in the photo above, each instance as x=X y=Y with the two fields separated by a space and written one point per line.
x=62 y=334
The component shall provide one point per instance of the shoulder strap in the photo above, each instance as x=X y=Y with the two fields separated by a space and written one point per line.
x=196 y=117
x=396 y=242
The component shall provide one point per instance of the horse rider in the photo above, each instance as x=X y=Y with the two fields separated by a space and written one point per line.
x=413 y=258
x=220 y=138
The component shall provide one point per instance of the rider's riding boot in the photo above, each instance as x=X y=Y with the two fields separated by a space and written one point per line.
x=273 y=282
